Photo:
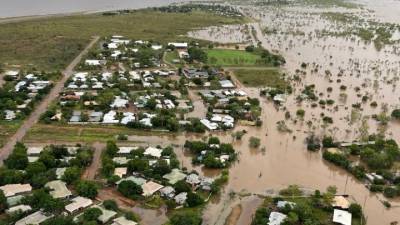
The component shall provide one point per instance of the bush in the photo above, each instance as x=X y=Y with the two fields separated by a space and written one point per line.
x=396 y=114
x=356 y=210
x=390 y=192
x=186 y=218
x=194 y=199
x=254 y=142
x=110 y=205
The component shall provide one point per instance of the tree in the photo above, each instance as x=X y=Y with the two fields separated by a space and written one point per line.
x=3 y=202
x=60 y=220
x=92 y=214
x=254 y=142
x=111 y=148
x=194 y=199
x=396 y=114
x=71 y=174
x=186 y=218
x=355 y=210
x=130 y=189
x=40 y=199
x=110 y=205
x=182 y=186
x=18 y=158
x=87 y=189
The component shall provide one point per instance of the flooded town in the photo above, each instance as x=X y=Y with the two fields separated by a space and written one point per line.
x=217 y=113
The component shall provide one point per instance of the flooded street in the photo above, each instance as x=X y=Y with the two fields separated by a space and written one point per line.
x=343 y=69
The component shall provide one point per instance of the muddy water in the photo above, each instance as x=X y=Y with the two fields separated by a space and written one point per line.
x=331 y=63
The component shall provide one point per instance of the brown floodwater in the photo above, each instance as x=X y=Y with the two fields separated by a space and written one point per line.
x=331 y=63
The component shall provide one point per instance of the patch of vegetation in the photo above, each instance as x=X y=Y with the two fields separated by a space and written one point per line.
x=261 y=77
x=51 y=43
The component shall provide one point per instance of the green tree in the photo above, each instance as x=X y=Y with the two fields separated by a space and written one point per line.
x=87 y=189
x=130 y=189
x=186 y=218
x=18 y=158
x=3 y=202
x=71 y=174
x=355 y=210
x=194 y=199
x=92 y=214
x=110 y=205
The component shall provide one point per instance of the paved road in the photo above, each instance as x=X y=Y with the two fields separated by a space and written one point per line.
x=42 y=107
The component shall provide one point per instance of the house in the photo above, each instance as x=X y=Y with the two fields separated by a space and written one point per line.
x=92 y=62
x=106 y=215
x=193 y=179
x=168 y=192
x=340 y=202
x=276 y=218
x=155 y=152
x=95 y=116
x=195 y=73
x=179 y=45
x=283 y=204
x=120 y=171
x=123 y=221
x=58 y=189
x=34 y=218
x=226 y=84
x=341 y=217
x=206 y=183
x=137 y=180
x=34 y=150
x=18 y=208
x=76 y=116
x=180 y=198
x=150 y=188
x=127 y=117
x=109 y=118
x=119 y=102
x=174 y=176
x=12 y=73
x=126 y=150
x=120 y=160
x=9 y=115
x=209 y=125
x=60 y=172
x=15 y=189
x=77 y=204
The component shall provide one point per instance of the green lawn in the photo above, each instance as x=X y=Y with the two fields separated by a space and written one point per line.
x=51 y=43
x=171 y=56
x=8 y=128
x=268 y=77
x=228 y=57
x=84 y=133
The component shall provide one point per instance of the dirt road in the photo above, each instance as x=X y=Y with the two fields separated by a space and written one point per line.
x=42 y=107
x=91 y=172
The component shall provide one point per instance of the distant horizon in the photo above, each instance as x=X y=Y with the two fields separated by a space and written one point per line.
x=23 y=8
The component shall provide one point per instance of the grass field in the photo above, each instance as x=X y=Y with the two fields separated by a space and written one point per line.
x=270 y=77
x=7 y=129
x=50 y=43
x=86 y=133
x=229 y=57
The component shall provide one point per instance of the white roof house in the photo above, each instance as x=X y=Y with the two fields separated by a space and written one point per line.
x=283 y=204
x=34 y=150
x=106 y=215
x=119 y=102
x=128 y=117
x=276 y=218
x=210 y=125
x=226 y=84
x=21 y=208
x=178 y=45
x=193 y=179
x=78 y=203
x=58 y=189
x=120 y=171
x=15 y=189
x=150 y=188
x=11 y=73
x=9 y=115
x=341 y=217
x=155 y=152
x=60 y=172
x=180 y=198
x=109 y=118
x=340 y=202
x=123 y=221
x=126 y=150
x=120 y=160
x=34 y=218
x=92 y=62
x=168 y=192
